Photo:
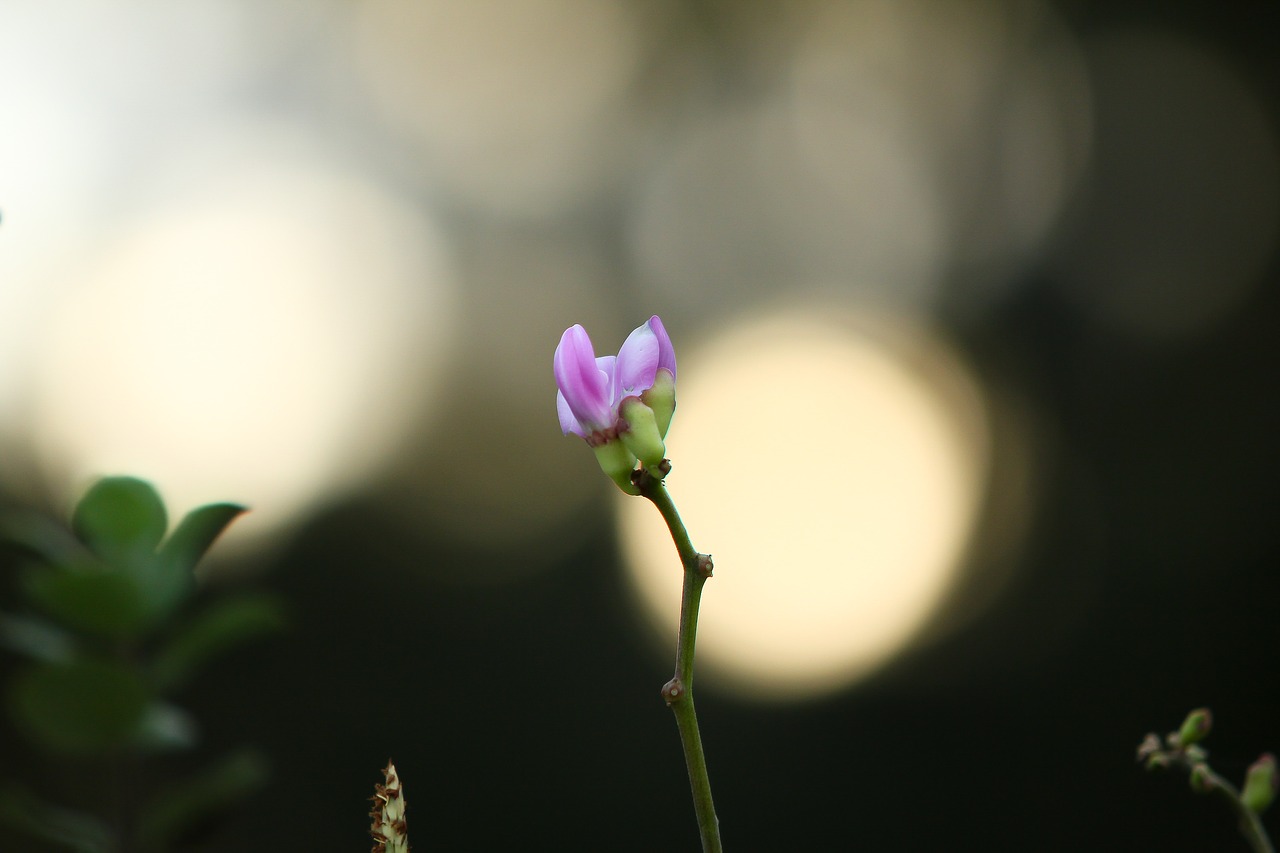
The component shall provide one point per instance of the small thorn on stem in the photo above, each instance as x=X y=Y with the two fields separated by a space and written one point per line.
x=673 y=691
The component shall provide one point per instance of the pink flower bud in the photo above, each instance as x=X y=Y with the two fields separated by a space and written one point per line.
x=591 y=390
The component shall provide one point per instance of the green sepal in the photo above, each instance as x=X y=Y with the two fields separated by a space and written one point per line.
x=641 y=436
x=661 y=398
x=616 y=461
x=122 y=520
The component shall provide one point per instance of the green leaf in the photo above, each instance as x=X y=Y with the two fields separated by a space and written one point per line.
x=41 y=536
x=121 y=519
x=35 y=638
x=169 y=577
x=69 y=830
x=162 y=589
x=94 y=600
x=220 y=627
x=166 y=728
x=195 y=533
x=81 y=707
x=179 y=806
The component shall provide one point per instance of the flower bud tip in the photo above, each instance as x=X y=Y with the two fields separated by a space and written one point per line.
x=1260 y=784
x=1195 y=727
x=1201 y=778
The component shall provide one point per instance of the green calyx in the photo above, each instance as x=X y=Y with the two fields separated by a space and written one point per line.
x=1260 y=784
x=642 y=436
x=661 y=400
x=618 y=462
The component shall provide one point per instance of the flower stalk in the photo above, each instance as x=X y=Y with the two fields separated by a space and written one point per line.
x=1182 y=749
x=1249 y=822
x=622 y=407
x=678 y=692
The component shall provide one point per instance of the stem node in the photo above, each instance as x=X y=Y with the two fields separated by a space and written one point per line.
x=706 y=568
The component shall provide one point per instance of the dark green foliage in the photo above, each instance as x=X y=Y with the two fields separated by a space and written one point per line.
x=121 y=520
x=81 y=706
x=194 y=534
x=58 y=828
x=221 y=626
x=180 y=806
x=111 y=625
x=91 y=600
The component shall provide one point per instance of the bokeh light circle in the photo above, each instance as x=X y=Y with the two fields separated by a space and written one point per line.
x=835 y=476
x=267 y=333
x=514 y=108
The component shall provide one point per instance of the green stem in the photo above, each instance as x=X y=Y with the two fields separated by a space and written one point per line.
x=1192 y=759
x=1250 y=824
x=678 y=692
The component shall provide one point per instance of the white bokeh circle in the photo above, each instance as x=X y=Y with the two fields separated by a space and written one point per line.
x=836 y=484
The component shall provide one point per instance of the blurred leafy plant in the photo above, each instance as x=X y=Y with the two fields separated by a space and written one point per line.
x=109 y=625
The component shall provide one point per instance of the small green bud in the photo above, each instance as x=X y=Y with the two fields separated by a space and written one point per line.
x=641 y=435
x=1260 y=784
x=1201 y=779
x=1195 y=727
x=616 y=461
x=1150 y=746
x=661 y=398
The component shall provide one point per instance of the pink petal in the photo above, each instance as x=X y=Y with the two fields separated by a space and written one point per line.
x=666 y=352
x=584 y=386
x=637 y=363
x=568 y=423
x=608 y=365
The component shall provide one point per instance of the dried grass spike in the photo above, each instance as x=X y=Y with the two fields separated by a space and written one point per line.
x=389 y=831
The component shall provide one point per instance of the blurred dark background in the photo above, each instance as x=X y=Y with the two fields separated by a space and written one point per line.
x=317 y=258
